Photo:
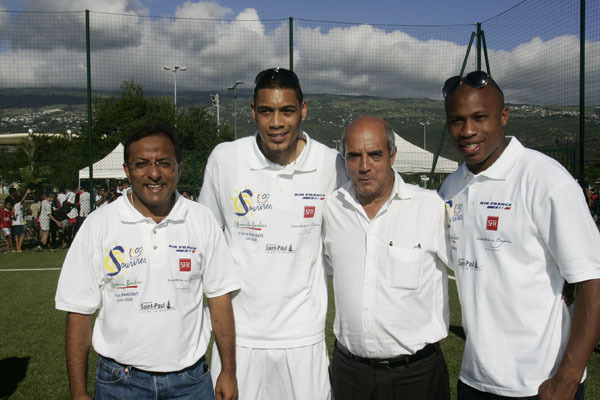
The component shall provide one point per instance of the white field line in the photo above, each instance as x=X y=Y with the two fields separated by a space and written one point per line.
x=451 y=277
x=29 y=269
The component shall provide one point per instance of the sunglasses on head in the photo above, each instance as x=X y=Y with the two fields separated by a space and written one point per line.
x=475 y=79
x=283 y=74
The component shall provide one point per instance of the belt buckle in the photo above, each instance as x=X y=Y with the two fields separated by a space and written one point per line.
x=380 y=364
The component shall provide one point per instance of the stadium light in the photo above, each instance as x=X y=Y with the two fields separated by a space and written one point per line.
x=235 y=85
x=174 y=69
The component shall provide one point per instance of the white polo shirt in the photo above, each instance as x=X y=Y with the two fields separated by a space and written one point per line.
x=516 y=231
x=389 y=273
x=18 y=214
x=147 y=281
x=271 y=215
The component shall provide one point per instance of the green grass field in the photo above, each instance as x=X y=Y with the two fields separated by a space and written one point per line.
x=32 y=358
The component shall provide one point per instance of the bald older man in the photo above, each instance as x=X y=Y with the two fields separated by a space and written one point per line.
x=519 y=228
x=384 y=241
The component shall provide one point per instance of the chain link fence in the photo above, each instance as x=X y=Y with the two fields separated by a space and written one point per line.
x=346 y=70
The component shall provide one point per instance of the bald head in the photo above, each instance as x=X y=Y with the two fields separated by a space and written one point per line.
x=369 y=122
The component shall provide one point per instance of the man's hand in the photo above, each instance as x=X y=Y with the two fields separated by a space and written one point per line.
x=585 y=331
x=226 y=387
x=557 y=388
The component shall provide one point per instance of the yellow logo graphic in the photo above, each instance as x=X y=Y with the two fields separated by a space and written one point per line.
x=114 y=261
x=242 y=203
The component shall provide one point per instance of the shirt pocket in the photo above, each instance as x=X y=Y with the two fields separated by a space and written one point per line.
x=404 y=267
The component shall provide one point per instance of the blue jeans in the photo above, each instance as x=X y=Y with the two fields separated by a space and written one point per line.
x=118 y=381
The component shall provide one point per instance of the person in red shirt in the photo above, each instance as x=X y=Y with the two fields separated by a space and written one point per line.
x=6 y=217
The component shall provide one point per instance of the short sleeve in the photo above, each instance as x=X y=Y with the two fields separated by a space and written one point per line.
x=78 y=287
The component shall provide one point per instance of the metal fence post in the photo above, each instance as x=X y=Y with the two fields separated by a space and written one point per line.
x=582 y=92
x=89 y=106
x=291 y=43
x=479 y=46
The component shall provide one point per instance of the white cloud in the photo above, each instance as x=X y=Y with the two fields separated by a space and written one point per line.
x=202 y=10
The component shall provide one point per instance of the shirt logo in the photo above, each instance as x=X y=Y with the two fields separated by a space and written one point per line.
x=453 y=212
x=185 y=265
x=496 y=205
x=244 y=202
x=492 y=224
x=309 y=211
x=114 y=261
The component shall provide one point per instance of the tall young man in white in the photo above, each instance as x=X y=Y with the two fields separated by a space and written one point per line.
x=144 y=263
x=267 y=191
x=519 y=228
x=384 y=241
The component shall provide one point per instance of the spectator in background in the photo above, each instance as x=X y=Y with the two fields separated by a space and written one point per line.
x=71 y=201
x=84 y=206
x=6 y=219
x=44 y=219
x=18 y=231
x=12 y=196
x=34 y=228
x=102 y=198
x=61 y=196
x=594 y=203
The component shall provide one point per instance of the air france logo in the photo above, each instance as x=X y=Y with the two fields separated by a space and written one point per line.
x=492 y=224
x=496 y=205
x=245 y=202
x=309 y=211
x=185 y=264
x=114 y=260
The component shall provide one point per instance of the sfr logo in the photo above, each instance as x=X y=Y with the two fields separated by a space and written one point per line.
x=492 y=224
x=185 y=264
x=309 y=211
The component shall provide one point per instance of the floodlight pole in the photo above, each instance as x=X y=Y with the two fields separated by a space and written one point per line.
x=174 y=69
x=424 y=132
x=234 y=88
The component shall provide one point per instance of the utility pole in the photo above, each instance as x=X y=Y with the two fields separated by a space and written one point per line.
x=215 y=102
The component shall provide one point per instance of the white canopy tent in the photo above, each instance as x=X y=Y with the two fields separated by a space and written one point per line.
x=411 y=159
x=110 y=166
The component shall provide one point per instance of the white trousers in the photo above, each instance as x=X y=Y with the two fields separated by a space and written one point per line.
x=299 y=373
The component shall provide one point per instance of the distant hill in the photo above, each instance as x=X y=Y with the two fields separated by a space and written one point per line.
x=56 y=110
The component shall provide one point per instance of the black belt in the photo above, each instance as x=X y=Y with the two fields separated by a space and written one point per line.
x=202 y=359
x=386 y=363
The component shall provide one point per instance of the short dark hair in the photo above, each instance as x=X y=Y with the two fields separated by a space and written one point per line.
x=278 y=78
x=150 y=129
x=11 y=190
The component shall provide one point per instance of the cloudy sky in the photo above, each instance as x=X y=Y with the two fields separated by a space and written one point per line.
x=391 y=49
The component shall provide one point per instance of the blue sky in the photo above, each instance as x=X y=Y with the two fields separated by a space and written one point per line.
x=426 y=12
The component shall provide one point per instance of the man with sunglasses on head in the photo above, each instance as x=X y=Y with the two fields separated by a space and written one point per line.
x=267 y=191
x=144 y=263
x=519 y=229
